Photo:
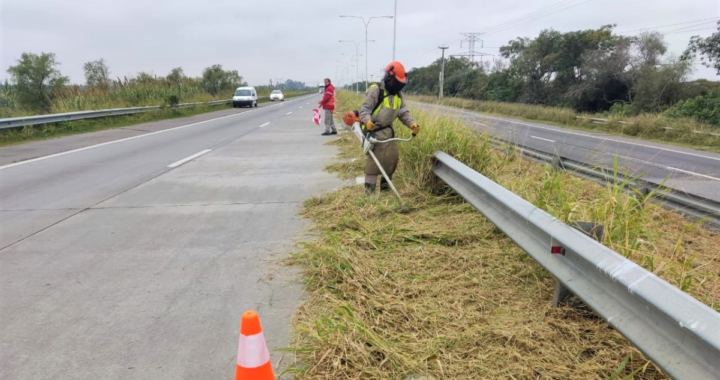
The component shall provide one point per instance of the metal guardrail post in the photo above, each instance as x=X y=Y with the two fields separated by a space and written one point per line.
x=677 y=332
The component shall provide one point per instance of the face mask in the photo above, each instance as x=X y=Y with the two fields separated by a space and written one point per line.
x=393 y=86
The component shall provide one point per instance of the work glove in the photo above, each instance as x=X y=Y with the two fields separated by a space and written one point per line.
x=415 y=127
x=370 y=125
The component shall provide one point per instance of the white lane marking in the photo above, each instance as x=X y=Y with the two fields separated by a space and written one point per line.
x=594 y=137
x=288 y=113
x=540 y=138
x=580 y=134
x=265 y=124
x=186 y=159
x=693 y=173
x=642 y=161
x=300 y=107
x=127 y=138
x=650 y=163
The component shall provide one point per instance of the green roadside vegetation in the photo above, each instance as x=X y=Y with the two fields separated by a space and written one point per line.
x=434 y=289
x=601 y=73
x=49 y=131
x=654 y=127
x=37 y=87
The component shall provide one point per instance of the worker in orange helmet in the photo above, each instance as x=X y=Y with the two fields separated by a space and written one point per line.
x=383 y=104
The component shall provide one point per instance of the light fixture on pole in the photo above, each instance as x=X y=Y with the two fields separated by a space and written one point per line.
x=357 y=66
x=357 y=57
x=366 y=40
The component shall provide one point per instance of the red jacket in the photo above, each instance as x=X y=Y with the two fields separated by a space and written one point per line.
x=328 y=100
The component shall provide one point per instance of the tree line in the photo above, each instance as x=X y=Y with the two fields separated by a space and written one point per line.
x=593 y=70
x=36 y=85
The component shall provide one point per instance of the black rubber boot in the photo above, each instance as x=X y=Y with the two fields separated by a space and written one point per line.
x=384 y=186
x=369 y=188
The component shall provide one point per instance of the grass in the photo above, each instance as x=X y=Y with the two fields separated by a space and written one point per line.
x=437 y=290
x=49 y=131
x=646 y=126
x=125 y=93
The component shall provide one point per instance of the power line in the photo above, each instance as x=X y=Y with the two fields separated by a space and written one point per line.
x=665 y=26
x=537 y=17
x=423 y=54
x=531 y=14
x=688 y=31
x=691 y=26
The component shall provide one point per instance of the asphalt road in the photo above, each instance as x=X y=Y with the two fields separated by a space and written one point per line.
x=687 y=170
x=134 y=258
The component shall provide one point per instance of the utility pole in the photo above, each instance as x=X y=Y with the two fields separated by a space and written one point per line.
x=442 y=71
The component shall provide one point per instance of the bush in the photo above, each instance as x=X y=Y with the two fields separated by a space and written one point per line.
x=705 y=109
x=620 y=109
x=173 y=101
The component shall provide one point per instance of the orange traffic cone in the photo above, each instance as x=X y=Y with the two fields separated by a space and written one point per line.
x=253 y=360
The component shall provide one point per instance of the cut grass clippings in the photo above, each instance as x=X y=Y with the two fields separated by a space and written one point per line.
x=436 y=290
x=655 y=127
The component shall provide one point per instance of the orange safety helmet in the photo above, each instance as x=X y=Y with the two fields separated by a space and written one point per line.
x=396 y=69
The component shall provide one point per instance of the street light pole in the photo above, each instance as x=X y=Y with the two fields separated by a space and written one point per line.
x=357 y=55
x=394 y=29
x=357 y=66
x=366 y=40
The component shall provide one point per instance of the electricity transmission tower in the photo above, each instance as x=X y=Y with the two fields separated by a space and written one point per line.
x=471 y=39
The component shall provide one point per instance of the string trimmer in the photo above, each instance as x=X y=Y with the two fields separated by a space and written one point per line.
x=368 y=141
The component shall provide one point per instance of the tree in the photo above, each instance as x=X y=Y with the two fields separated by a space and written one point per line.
x=659 y=87
x=215 y=79
x=707 y=48
x=97 y=74
x=650 y=46
x=37 y=80
x=176 y=76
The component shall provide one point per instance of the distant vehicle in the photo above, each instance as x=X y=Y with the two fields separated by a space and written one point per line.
x=321 y=87
x=277 y=95
x=245 y=96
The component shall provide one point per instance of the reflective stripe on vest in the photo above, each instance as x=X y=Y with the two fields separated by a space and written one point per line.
x=397 y=102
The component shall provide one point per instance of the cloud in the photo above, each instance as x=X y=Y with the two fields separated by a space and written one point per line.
x=299 y=39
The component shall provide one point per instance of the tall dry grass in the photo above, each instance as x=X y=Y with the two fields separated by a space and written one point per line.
x=437 y=290
x=648 y=126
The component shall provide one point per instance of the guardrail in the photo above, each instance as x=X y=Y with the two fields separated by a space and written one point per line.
x=678 y=333
x=597 y=120
x=684 y=203
x=17 y=122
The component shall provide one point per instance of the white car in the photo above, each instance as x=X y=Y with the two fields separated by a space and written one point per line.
x=277 y=95
x=245 y=96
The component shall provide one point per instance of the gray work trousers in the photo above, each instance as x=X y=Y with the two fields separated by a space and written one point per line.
x=329 y=122
x=387 y=154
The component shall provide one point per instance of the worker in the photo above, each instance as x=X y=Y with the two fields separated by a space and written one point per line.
x=328 y=104
x=383 y=104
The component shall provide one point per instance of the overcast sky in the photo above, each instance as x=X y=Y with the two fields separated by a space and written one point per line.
x=299 y=39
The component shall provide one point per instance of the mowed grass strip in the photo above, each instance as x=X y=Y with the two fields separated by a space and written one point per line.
x=434 y=289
